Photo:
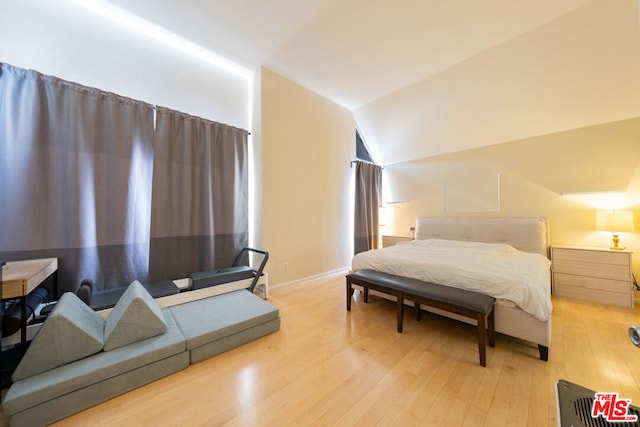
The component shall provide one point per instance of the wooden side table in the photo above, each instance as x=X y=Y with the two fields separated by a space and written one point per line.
x=21 y=277
x=593 y=274
x=390 y=240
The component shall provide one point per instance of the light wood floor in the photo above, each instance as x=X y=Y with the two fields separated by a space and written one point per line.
x=329 y=367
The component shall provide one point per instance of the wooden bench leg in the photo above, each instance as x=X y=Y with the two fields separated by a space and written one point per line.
x=482 y=340
x=365 y=294
x=349 y=294
x=416 y=308
x=400 y=311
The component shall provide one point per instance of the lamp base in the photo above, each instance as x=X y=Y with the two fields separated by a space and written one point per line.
x=615 y=246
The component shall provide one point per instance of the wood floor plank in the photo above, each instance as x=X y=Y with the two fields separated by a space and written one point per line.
x=330 y=367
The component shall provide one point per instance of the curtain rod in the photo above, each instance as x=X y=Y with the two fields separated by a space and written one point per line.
x=364 y=161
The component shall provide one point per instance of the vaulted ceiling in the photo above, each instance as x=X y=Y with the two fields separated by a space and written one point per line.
x=350 y=51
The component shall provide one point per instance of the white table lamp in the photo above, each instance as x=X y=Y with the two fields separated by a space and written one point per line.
x=615 y=221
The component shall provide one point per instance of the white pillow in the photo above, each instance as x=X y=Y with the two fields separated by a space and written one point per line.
x=72 y=331
x=136 y=316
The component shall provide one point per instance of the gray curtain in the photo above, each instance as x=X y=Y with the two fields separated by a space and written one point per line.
x=200 y=195
x=75 y=178
x=367 y=201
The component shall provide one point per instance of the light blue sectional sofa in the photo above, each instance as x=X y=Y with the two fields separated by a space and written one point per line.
x=78 y=360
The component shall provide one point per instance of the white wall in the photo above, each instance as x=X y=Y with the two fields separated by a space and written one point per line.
x=59 y=38
x=307 y=145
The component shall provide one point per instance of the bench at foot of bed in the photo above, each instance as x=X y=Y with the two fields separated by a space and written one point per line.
x=459 y=301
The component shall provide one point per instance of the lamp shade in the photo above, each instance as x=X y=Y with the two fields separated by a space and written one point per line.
x=614 y=221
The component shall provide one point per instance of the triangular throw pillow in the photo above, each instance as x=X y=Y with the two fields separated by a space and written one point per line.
x=71 y=332
x=136 y=316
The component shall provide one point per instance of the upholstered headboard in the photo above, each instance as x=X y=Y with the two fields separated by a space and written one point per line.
x=523 y=233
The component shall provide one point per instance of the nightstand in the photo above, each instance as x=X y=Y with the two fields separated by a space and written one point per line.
x=592 y=274
x=390 y=240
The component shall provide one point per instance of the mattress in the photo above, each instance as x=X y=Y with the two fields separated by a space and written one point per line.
x=495 y=269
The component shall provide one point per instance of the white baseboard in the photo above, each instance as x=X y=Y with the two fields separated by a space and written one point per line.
x=315 y=278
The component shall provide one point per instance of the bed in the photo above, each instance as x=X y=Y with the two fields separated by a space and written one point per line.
x=523 y=307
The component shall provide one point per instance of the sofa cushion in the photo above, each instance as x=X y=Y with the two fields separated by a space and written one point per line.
x=96 y=369
x=65 y=405
x=136 y=316
x=209 y=319
x=72 y=331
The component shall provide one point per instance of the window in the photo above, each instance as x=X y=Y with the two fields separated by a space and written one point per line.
x=362 y=153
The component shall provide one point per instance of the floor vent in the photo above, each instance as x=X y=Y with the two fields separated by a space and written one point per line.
x=574 y=408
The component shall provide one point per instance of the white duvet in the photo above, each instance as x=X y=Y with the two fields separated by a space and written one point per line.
x=494 y=269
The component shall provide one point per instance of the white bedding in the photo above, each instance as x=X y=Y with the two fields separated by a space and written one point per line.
x=491 y=268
